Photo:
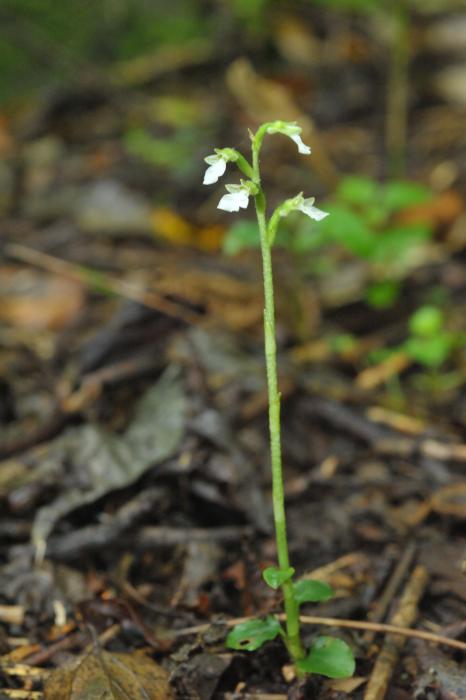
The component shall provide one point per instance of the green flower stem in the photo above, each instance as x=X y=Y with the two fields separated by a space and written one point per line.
x=244 y=166
x=293 y=637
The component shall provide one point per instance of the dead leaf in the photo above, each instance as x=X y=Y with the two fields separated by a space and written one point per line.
x=441 y=211
x=173 y=227
x=103 y=462
x=372 y=377
x=102 y=675
x=37 y=301
x=450 y=500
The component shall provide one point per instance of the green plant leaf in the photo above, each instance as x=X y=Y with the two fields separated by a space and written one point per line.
x=349 y=229
x=426 y=321
x=240 y=236
x=400 y=194
x=382 y=295
x=342 y=343
x=253 y=634
x=360 y=191
x=276 y=577
x=330 y=657
x=306 y=238
x=431 y=352
x=362 y=6
x=397 y=245
x=312 y=591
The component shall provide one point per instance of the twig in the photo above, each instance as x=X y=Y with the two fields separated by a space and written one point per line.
x=405 y=615
x=102 y=281
x=23 y=694
x=383 y=440
x=391 y=589
x=336 y=622
x=398 y=89
x=12 y=614
x=159 y=535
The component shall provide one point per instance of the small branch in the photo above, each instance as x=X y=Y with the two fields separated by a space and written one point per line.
x=335 y=622
x=405 y=615
x=391 y=588
x=95 y=279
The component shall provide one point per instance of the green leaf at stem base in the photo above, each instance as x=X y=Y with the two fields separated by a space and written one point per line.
x=276 y=577
x=312 y=591
x=330 y=657
x=253 y=634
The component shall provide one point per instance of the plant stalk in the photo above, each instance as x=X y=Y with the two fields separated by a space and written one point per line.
x=293 y=636
x=398 y=89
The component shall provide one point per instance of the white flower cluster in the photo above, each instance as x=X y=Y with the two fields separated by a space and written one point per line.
x=238 y=195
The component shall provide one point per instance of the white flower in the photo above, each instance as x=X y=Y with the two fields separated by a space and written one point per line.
x=218 y=163
x=306 y=206
x=302 y=148
x=238 y=198
x=293 y=131
x=217 y=166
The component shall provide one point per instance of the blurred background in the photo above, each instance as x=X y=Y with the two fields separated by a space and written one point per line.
x=120 y=279
x=109 y=108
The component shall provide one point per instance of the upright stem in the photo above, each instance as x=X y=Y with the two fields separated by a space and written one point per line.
x=398 y=89
x=294 y=644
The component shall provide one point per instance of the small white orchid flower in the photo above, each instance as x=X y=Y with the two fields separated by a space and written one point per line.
x=302 y=148
x=306 y=206
x=297 y=203
x=238 y=196
x=293 y=131
x=217 y=166
x=218 y=163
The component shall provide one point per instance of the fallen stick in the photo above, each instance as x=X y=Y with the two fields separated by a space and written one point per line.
x=391 y=589
x=405 y=615
x=335 y=622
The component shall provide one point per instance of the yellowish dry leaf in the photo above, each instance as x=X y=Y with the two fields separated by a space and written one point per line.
x=102 y=675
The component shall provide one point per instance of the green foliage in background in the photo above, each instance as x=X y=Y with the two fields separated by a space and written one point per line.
x=365 y=222
x=47 y=42
x=430 y=343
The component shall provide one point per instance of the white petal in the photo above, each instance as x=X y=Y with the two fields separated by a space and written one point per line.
x=214 y=171
x=302 y=148
x=234 y=201
x=313 y=212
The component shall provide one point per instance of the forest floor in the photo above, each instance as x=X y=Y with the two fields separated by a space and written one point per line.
x=134 y=473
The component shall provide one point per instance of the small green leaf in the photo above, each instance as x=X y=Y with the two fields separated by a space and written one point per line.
x=426 y=322
x=330 y=657
x=358 y=190
x=382 y=295
x=431 y=352
x=312 y=591
x=342 y=343
x=242 y=235
x=253 y=634
x=398 y=245
x=346 y=227
x=400 y=194
x=276 y=577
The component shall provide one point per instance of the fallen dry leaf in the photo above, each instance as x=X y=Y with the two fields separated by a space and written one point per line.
x=441 y=211
x=450 y=500
x=102 y=675
x=174 y=228
x=38 y=301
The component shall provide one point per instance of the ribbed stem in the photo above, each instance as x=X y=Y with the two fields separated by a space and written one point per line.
x=294 y=644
